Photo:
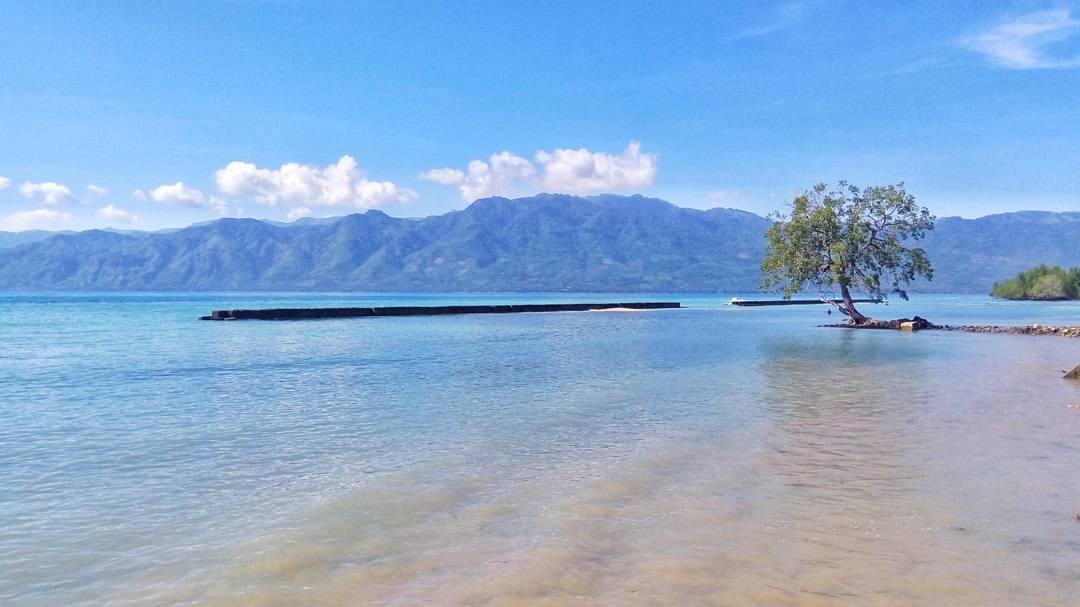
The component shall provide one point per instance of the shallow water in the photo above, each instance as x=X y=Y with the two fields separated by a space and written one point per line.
x=706 y=456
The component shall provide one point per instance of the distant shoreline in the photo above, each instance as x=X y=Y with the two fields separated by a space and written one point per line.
x=1028 y=298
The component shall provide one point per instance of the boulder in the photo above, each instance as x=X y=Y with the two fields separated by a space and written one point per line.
x=922 y=323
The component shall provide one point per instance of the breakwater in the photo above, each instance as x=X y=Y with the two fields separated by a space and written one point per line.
x=1034 y=329
x=318 y=313
x=795 y=302
x=921 y=324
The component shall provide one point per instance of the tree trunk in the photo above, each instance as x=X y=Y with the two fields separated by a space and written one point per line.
x=848 y=306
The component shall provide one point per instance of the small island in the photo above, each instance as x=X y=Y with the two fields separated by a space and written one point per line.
x=1044 y=283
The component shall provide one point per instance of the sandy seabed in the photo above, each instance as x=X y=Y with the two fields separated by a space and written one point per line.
x=943 y=493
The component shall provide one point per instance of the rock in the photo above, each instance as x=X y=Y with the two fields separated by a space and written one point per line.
x=1033 y=329
x=922 y=323
x=919 y=323
x=1074 y=374
x=903 y=324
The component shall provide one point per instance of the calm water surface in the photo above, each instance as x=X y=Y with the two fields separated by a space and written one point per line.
x=706 y=456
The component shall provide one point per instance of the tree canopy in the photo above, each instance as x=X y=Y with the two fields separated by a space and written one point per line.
x=856 y=239
x=1043 y=282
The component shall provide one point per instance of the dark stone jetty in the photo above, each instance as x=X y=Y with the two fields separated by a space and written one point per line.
x=921 y=324
x=314 y=313
x=794 y=302
x=1024 y=330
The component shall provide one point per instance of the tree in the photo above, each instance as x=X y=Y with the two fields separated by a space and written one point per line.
x=855 y=238
x=1043 y=282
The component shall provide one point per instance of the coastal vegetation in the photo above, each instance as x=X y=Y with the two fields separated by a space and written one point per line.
x=850 y=237
x=1047 y=283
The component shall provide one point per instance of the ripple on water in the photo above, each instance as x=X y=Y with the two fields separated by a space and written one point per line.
x=690 y=457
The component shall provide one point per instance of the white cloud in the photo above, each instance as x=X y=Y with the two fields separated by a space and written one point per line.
x=115 y=214
x=298 y=212
x=1025 y=42
x=96 y=190
x=219 y=205
x=5 y=183
x=581 y=171
x=50 y=193
x=444 y=176
x=178 y=194
x=498 y=176
x=38 y=219
x=338 y=184
x=571 y=171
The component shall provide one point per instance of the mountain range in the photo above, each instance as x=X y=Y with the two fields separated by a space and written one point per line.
x=542 y=243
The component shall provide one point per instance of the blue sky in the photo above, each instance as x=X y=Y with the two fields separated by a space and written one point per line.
x=148 y=115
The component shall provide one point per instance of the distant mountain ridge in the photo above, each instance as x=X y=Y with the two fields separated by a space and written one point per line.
x=541 y=243
x=14 y=239
x=970 y=255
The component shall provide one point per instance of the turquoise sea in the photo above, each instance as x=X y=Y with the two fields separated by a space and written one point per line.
x=711 y=455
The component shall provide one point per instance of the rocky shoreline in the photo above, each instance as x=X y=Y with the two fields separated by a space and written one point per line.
x=921 y=324
x=1026 y=330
